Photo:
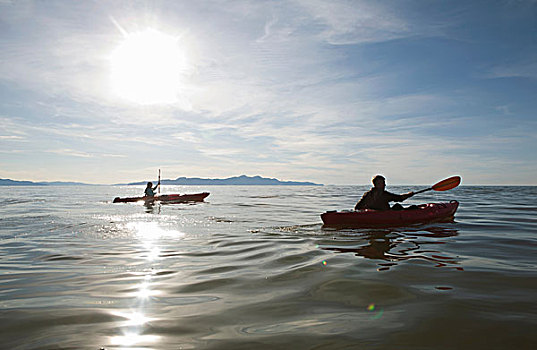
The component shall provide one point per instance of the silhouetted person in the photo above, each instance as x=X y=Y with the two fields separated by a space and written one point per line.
x=379 y=199
x=150 y=190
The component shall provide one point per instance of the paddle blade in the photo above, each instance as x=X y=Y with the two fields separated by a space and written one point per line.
x=447 y=184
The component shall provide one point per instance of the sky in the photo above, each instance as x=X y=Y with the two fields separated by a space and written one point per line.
x=332 y=92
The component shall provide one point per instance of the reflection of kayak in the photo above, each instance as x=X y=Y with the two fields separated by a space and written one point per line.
x=424 y=213
x=166 y=198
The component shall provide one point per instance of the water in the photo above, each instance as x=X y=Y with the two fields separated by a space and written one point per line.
x=252 y=268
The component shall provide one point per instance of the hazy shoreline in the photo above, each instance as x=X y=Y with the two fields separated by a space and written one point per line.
x=242 y=180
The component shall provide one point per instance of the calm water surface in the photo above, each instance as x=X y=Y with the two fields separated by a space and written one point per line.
x=253 y=268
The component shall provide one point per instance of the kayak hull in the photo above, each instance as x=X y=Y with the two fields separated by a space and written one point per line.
x=424 y=213
x=165 y=198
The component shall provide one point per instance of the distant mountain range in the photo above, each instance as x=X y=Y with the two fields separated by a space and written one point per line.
x=236 y=180
x=8 y=182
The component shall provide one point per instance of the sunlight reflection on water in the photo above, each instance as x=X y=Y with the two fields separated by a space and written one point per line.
x=148 y=233
x=151 y=230
x=130 y=339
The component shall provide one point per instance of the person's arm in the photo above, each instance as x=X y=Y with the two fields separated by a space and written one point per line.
x=405 y=196
x=362 y=203
x=399 y=197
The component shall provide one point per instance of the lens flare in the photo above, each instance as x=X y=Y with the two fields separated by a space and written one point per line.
x=376 y=315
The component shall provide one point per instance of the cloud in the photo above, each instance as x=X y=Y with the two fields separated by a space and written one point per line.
x=516 y=70
x=355 y=22
x=82 y=154
x=70 y=152
x=11 y=138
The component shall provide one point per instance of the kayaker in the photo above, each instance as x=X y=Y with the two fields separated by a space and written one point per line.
x=150 y=190
x=379 y=199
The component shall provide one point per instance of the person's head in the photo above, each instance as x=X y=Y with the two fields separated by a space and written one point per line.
x=149 y=184
x=379 y=181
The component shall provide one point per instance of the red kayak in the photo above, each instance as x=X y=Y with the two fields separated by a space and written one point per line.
x=166 y=198
x=424 y=213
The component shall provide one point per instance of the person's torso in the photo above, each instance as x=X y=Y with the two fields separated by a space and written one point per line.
x=379 y=199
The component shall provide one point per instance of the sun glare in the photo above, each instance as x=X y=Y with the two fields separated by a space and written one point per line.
x=147 y=68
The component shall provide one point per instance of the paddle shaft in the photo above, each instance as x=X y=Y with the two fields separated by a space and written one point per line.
x=158 y=188
x=425 y=190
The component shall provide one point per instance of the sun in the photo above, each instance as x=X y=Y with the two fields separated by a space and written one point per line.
x=147 y=68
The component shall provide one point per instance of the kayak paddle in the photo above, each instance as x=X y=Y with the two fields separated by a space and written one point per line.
x=444 y=185
x=158 y=188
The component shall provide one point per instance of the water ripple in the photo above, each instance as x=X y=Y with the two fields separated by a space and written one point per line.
x=254 y=268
